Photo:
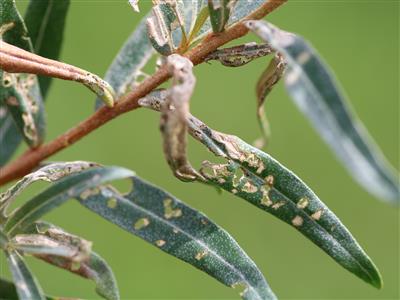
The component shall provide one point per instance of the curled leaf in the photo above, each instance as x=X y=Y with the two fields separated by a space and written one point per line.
x=45 y=21
x=240 y=55
x=174 y=115
x=169 y=224
x=49 y=173
x=314 y=89
x=17 y=60
x=262 y=181
x=267 y=81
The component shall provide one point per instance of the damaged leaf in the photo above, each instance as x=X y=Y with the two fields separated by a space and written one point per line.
x=49 y=173
x=219 y=13
x=314 y=89
x=19 y=92
x=62 y=190
x=174 y=116
x=79 y=259
x=45 y=21
x=262 y=181
x=169 y=224
x=125 y=72
x=26 y=284
x=17 y=60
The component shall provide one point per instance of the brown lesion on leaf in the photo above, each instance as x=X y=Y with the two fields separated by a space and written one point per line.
x=201 y=255
x=160 y=243
x=303 y=203
x=297 y=221
x=317 y=215
x=141 y=223
x=169 y=211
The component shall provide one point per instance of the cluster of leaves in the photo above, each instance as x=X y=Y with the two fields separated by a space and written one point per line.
x=172 y=27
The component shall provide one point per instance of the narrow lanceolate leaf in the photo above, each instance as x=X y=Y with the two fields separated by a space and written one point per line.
x=45 y=20
x=268 y=79
x=49 y=173
x=219 y=13
x=125 y=72
x=166 y=222
x=77 y=257
x=58 y=193
x=239 y=55
x=314 y=89
x=262 y=181
x=7 y=290
x=17 y=60
x=173 y=123
x=20 y=92
x=9 y=135
x=25 y=283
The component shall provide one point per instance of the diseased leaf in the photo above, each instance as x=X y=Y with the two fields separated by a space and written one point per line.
x=17 y=60
x=262 y=181
x=49 y=173
x=269 y=78
x=166 y=222
x=26 y=284
x=126 y=69
x=58 y=193
x=19 y=92
x=45 y=20
x=79 y=259
x=219 y=13
x=241 y=55
x=314 y=89
x=173 y=123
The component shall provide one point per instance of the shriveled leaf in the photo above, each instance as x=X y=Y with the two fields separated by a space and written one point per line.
x=49 y=173
x=79 y=259
x=239 y=55
x=317 y=93
x=126 y=69
x=219 y=13
x=166 y=222
x=268 y=79
x=62 y=190
x=26 y=284
x=45 y=20
x=16 y=60
x=262 y=181
x=20 y=92
x=173 y=123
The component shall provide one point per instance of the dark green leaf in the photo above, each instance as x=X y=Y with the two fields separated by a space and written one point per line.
x=7 y=290
x=219 y=14
x=261 y=180
x=126 y=69
x=26 y=285
x=20 y=92
x=58 y=193
x=181 y=231
x=45 y=20
x=9 y=135
x=314 y=89
x=78 y=259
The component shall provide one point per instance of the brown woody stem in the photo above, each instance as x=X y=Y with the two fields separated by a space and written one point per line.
x=32 y=158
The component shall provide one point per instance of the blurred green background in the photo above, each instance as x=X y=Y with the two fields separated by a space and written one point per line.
x=359 y=39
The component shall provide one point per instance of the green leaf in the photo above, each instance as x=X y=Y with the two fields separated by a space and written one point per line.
x=126 y=69
x=49 y=173
x=317 y=93
x=64 y=189
x=9 y=135
x=25 y=283
x=20 y=92
x=171 y=225
x=219 y=14
x=78 y=257
x=262 y=181
x=7 y=290
x=45 y=20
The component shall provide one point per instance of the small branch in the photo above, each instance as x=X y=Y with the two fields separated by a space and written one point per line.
x=32 y=158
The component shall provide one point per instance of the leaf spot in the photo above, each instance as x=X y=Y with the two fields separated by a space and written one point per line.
x=297 y=221
x=141 y=223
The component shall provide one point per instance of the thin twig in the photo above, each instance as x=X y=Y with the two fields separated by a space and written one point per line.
x=32 y=158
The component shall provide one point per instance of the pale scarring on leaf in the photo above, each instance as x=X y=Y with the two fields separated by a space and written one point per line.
x=169 y=211
x=174 y=117
x=141 y=223
x=297 y=221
